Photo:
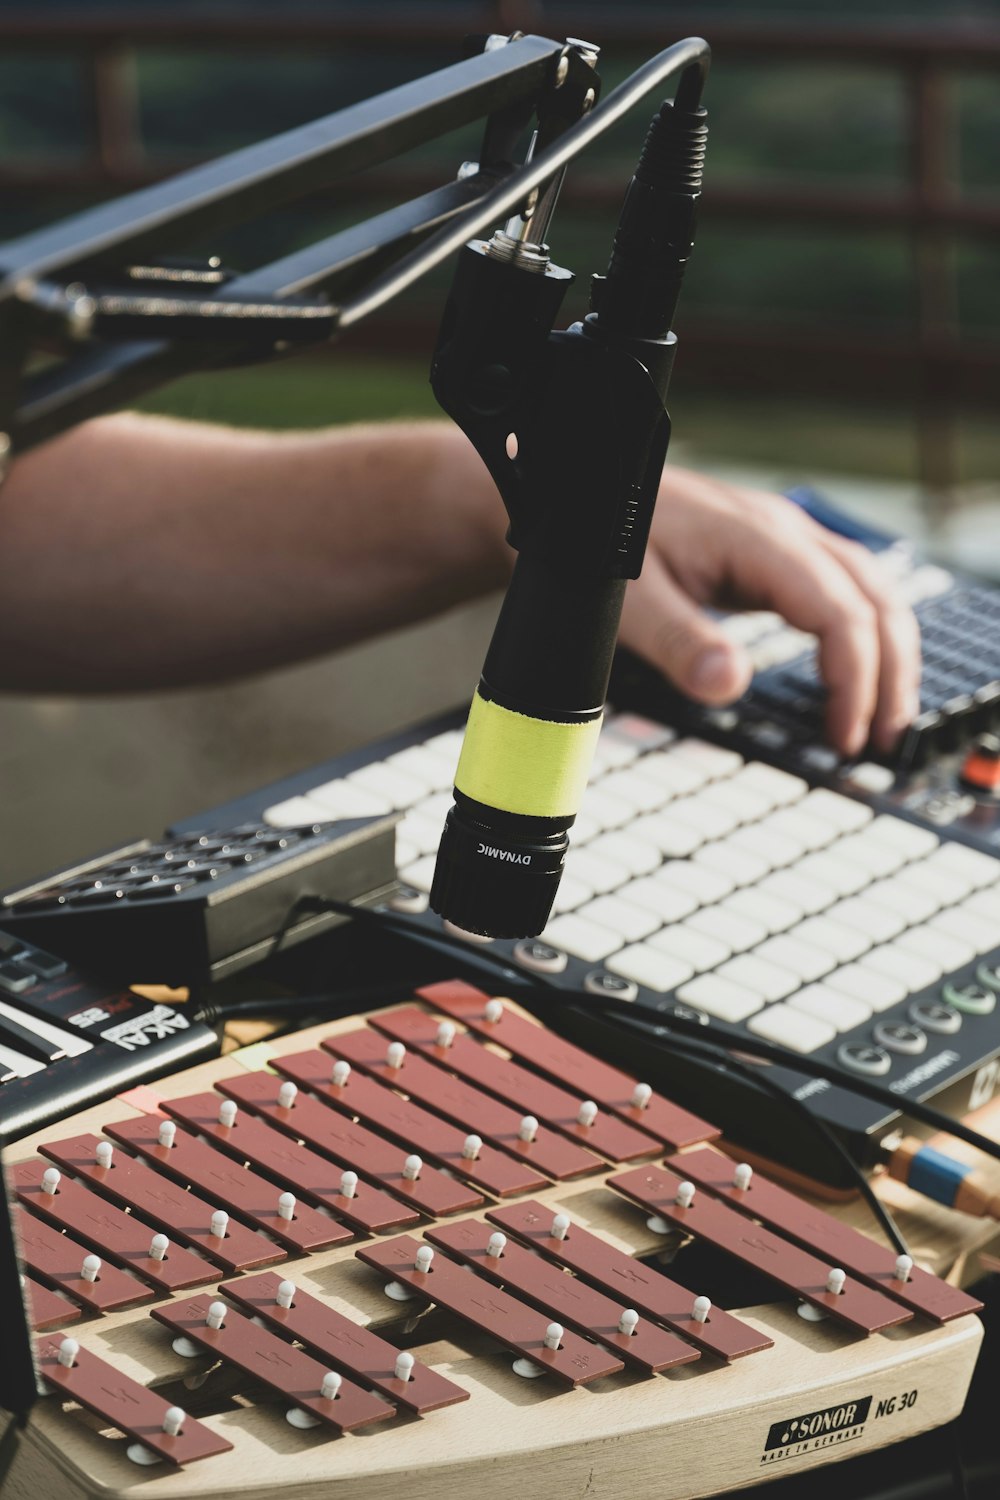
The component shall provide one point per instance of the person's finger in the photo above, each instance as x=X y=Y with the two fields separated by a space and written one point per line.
x=664 y=625
x=771 y=561
x=899 y=641
x=898 y=694
x=751 y=550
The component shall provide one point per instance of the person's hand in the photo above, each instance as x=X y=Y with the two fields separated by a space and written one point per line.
x=715 y=543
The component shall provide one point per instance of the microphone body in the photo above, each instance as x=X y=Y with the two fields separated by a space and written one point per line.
x=574 y=429
x=528 y=748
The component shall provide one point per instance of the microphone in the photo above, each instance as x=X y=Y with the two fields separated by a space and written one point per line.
x=573 y=428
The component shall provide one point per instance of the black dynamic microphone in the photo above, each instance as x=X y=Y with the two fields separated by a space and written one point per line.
x=573 y=427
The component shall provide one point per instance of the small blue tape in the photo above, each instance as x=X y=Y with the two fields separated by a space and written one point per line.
x=937 y=1176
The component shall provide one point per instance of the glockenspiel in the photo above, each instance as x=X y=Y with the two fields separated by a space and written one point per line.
x=438 y=1249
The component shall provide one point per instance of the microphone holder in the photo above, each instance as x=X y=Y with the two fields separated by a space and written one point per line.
x=103 y=291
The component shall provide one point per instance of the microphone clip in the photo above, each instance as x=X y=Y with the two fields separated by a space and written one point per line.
x=571 y=424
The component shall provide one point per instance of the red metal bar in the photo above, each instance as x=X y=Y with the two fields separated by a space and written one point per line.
x=351 y=1145
x=646 y=1289
x=975 y=42
x=528 y=1091
x=802 y=1274
x=290 y=1372
x=511 y=1083
x=181 y=1216
x=296 y=1167
x=327 y=1334
x=541 y=1049
x=840 y=208
x=415 y=1128
x=824 y=1235
x=565 y=1297
x=46 y=1309
x=58 y=1259
x=125 y=1404
x=930 y=208
x=111 y=1231
x=465 y=1106
x=194 y=1163
x=521 y=1328
x=114 y=105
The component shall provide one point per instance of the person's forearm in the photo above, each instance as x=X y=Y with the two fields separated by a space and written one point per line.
x=140 y=553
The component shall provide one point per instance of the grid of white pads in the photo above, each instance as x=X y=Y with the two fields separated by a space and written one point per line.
x=729 y=883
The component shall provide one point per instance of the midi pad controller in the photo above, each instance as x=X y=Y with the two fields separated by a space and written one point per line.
x=945 y=771
x=729 y=865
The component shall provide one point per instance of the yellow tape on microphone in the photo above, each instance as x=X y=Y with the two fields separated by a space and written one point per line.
x=518 y=764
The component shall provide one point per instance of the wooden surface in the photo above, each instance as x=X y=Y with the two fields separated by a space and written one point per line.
x=687 y=1433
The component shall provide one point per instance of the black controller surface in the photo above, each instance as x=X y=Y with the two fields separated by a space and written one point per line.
x=730 y=865
x=204 y=904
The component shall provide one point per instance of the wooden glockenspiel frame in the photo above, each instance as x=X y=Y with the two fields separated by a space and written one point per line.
x=286 y=1311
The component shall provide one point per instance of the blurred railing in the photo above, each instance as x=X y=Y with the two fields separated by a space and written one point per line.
x=930 y=367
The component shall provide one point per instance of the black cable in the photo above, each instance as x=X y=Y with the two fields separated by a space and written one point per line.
x=813 y=1068
x=292 y=915
x=299 y=1007
x=720 y=1060
x=475 y=955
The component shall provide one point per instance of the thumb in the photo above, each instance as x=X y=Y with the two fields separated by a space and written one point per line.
x=664 y=625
